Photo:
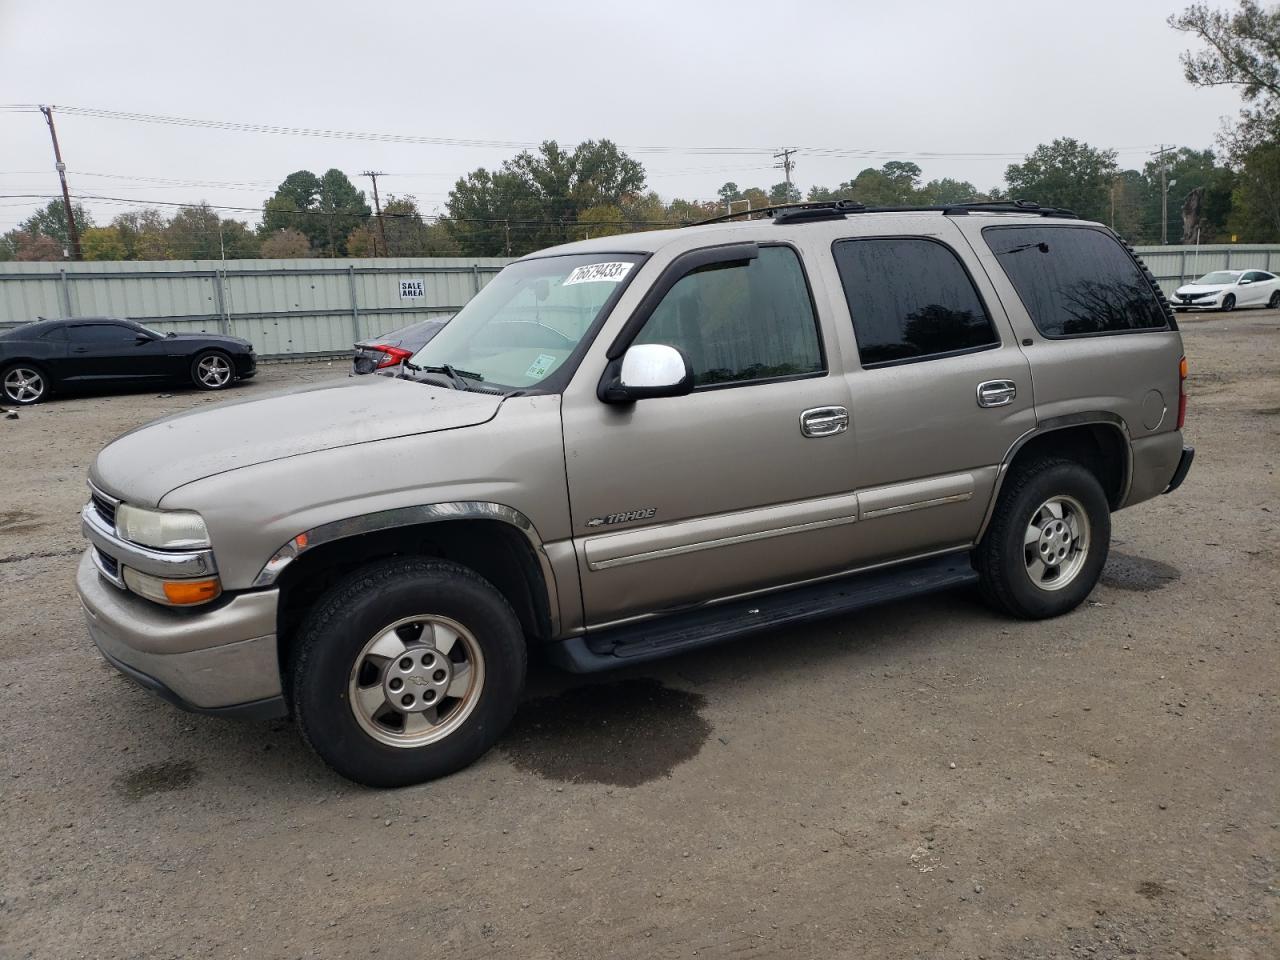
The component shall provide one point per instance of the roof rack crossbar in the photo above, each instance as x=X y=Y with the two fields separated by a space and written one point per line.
x=838 y=209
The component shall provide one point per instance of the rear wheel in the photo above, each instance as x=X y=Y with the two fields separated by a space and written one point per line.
x=212 y=370
x=406 y=671
x=1047 y=542
x=23 y=384
x=1228 y=303
x=1274 y=302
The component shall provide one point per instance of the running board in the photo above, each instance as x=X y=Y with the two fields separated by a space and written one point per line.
x=702 y=626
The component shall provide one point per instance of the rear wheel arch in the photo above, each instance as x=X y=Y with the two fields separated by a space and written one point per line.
x=1100 y=442
x=497 y=551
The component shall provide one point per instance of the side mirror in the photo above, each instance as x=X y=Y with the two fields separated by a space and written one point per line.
x=1243 y=282
x=141 y=339
x=364 y=365
x=647 y=370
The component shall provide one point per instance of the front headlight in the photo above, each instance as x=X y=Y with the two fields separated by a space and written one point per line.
x=162 y=529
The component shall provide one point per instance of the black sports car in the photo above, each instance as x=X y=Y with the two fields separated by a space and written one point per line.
x=388 y=350
x=55 y=356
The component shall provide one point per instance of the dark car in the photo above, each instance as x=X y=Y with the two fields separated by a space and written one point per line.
x=61 y=356
x=391 y=349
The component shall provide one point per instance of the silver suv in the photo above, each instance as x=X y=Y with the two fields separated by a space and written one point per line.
x=638 y=445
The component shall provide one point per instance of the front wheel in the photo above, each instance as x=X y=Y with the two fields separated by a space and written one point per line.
x=212 y=370
x=1047 y=542
x=1228 y=303
x=406 y=671
x=1274 y=302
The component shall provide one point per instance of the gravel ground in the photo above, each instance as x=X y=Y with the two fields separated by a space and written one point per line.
x=924 y=780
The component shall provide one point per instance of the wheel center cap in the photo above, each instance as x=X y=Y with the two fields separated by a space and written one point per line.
x=417 y=679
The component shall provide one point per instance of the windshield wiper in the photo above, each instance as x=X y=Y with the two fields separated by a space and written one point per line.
x=455 y=376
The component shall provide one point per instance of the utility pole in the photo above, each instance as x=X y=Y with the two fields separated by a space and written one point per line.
x=73 y=233
x=785 y=166
x=377 y=205
x=1164 y=193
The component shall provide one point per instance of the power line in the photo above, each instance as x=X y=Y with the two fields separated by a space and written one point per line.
x=283 y=130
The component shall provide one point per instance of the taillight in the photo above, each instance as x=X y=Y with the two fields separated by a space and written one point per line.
x=1182 y=392
x=395 y=355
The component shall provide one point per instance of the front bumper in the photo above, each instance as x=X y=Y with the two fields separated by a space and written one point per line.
x=220 y=658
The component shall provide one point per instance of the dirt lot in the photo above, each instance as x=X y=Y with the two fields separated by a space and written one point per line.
x=924 y=780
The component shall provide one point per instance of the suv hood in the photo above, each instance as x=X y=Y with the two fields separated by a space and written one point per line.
x=145 y=464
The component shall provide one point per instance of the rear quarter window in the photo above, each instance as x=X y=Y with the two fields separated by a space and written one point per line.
x=1076 y=281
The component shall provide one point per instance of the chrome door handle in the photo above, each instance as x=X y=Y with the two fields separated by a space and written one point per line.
x=824 y=421
x=996 y=393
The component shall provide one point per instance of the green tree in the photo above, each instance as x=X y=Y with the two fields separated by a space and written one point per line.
x=604 y=220
x=199 y=233
x=287 y=208
x=1255 y=208
x=286 y=244
x=1242 y=50
x=51 y=221
x=535 y=199
x=103 y=243
x=143 y=234
x=729 y=193
x=324 y=209
x=946 y=190
x=32 y=247
x=341 y=208
x=1065 y=173
x=1192 y=170
x=784 y=193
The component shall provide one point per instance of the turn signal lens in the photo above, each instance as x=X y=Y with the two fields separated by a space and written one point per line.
x=173 y=593
x=184 y=592
x=1182 y=368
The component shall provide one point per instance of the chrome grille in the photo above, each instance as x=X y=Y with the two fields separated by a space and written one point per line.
x=106 y=508
x=108 y=562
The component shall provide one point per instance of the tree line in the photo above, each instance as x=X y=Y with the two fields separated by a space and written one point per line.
x=554 y=195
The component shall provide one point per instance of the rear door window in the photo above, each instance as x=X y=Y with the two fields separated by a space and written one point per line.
x=910 y=299
x=1076 y=281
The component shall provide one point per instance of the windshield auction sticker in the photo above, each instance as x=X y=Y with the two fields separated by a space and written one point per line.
x=598 y=273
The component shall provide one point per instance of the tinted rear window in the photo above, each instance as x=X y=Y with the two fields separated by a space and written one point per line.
x=1076 y=281
x=910 y=299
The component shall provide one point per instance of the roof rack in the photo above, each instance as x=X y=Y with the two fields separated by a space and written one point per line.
x=839 y=209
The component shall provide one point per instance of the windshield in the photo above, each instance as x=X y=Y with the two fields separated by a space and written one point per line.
x=1219 y=276
x=526 y=322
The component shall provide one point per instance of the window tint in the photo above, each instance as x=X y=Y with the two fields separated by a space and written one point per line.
x=742 y=322
x=910 y=299
x=102 y=333
x=1256 y=275
x=54 y=333
x=1076 y=281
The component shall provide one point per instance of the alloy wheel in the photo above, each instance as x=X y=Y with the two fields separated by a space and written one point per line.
x=214 y=371
x=1056 y=542
x=23 y=385
x=416 y=681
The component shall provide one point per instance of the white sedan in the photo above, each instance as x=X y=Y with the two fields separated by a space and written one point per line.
x=1228 y=289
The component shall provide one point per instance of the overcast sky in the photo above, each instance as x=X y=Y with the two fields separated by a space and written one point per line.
x=963 y=88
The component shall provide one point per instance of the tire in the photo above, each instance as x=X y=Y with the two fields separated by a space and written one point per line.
x=23 y=383
x=212 y=370
x=335 y=673
x=1274 y=302
x=1005 y=560
x=1228 y=303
